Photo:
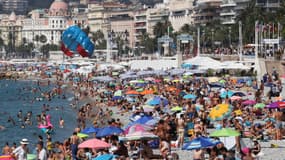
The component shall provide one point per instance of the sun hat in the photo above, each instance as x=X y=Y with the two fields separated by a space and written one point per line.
x=24 y=141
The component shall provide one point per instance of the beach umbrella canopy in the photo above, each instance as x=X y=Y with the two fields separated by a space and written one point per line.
x=227 y=94
x=9 y=157
x=235 y=98
x=132 y=92
x=225 y=132
x=272 y=105
x=146 y=92
x=94 y=144
x=249 y=102
x=189 y=96
x=117 y=98
x=139 y=135
x=82 y=135
x=118 y=93
x=105 y=157
x=157 y=100
x=137 y=127
x=90 y=130
x=240 y=94
x=199 y=143
x=143 y=120
x=147 y=108
x=176 y=108
x=30 y=157
x=220 y=111
x=108 y=131
x=259 y=105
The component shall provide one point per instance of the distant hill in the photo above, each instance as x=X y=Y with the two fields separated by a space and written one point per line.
x=35 y=4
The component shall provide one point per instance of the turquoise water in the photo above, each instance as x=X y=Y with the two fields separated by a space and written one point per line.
x=17 y=95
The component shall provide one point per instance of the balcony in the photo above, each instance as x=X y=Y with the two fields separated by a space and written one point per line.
x=228 y=14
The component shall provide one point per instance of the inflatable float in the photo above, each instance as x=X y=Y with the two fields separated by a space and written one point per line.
x=49 y=125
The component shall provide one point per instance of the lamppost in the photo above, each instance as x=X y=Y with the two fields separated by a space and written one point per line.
x=212 y=37
x=230 y=37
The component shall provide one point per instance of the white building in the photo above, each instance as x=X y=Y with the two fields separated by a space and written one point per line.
x=228 y=13
x=181 y=13
x=51 y=22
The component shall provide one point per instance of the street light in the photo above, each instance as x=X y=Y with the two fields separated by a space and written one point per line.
x=230 y=37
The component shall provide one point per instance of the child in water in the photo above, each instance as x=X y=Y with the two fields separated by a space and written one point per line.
x=61 y=122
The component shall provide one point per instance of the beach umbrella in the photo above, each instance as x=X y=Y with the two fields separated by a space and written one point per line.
x=137 y=127
x=117 y=98
x=220 y=111
x=235 y=98
x=108 y=131
x=158 y=100
x=189 y=96
x=132 y=92
x=139 y=135
x=227 y=94
x=82 y=135
x=213 y=79
x=147 y=108
x=176 y=108
x=225 y=132
x=222 y=81
x=94 y=144
x=9 y=157
x=118 y=93
x=90 y=130
x=146 y=92
x=149 y=79
x=259 y=105
x=199 y=143
x=143 y=120
x=140 y=90
x=105 y=157
x=272 y=105
x=249 y=102
x=240 y=94
x=30 y=157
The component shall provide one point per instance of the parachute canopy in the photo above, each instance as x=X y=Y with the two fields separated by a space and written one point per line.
x=74 y=40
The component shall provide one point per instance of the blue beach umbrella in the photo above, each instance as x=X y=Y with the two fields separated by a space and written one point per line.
x=105 y=157
x=240 y=94
x=157 y=101
x=199 y=143
x=108 y=131
x=227 y=94
x=117 y=98
x=90 y=130
x=189 y=96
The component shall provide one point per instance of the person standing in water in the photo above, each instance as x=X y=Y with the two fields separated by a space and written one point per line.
x=61 y=122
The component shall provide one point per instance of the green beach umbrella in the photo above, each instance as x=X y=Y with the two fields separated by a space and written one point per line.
x=31 y=156
x=140 y=89
x=118 y=93
x=82 y=135
x=222 y=81
x=177 y=108
x=259 y=105
x=225 y=132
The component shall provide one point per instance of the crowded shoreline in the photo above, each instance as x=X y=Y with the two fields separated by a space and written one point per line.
x=179 y=107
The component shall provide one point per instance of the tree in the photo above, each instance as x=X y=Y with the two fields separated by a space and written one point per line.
x=43 y=38
x=148 y=43
x=162 y=28
x=37 y=39
x=99 y=40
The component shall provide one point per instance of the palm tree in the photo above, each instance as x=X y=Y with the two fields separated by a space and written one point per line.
x=99 y=40
x=43 y=38
x=37 y=39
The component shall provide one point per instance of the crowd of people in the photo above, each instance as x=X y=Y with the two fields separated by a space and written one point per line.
x=174 y=128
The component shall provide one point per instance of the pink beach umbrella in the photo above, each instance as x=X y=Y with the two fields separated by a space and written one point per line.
x=6 y=157
x=137 y=128
x=235 y=98
x=94 y=144
x=249 y=102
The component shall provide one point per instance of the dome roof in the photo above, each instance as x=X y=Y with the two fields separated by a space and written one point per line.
x=58 y=5
x=12 y=17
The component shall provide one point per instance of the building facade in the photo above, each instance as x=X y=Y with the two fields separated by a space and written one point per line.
x=17 y=6
x=228 y=13
x=181 y=13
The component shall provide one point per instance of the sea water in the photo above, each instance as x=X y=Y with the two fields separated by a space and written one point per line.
x=18 y=95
